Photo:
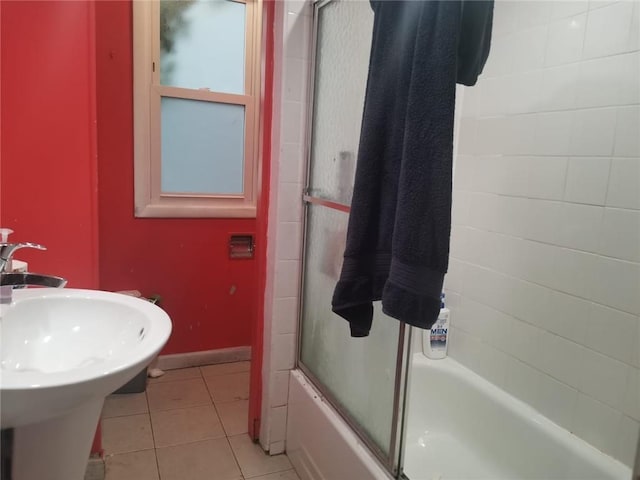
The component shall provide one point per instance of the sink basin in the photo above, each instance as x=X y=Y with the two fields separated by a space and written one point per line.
x=60 y=346
x=62 y=351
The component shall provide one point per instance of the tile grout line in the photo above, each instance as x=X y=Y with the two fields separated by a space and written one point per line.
x=224 y=434
x=189 y=442
x=175 y=408
x=153 y=437
x=211 y=402
x=235 y=458
x=215 y=407
x=265 y=453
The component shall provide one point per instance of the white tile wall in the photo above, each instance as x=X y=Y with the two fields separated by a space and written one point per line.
x=558 y=90
x=606 y=81
x=523 y=380
x=587 y=180
x=620 y=234
x=553 y=133
x=557 y=401
x=565 y=316
x=624 y=183
x=565 y=41
x=286 y=276
x=292 y=122
x=621 y=293
x=627 y=439
x=284 y=350
x=609 y=30
x=544 y=278
x=546 y=176
x=631 y=399
x=627 y=138
x=531 y=14
x=579 y=226
x=285 y=309
x=279 y=429
x=291 y=170
x=611 y=332
x=597 y=423
x=281 y=390
x=290 y=235
x=562 y=9
x=292 y=57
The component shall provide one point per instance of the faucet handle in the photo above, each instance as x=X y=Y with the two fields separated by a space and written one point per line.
x=8 y=249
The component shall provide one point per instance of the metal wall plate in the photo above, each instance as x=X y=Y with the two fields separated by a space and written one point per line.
x=241 y=246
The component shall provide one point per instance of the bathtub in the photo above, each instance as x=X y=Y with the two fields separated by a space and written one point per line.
x=460 y=427
x=463 y=427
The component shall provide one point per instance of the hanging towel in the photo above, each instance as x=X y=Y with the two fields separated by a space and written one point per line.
x=397 y=246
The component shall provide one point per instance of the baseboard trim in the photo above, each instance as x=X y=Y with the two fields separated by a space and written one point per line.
x=208 y=357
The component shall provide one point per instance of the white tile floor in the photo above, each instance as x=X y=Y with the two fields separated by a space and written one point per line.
x=190 y=424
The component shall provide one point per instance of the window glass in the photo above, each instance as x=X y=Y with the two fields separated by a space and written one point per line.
x=202 y=147
x=202 y=45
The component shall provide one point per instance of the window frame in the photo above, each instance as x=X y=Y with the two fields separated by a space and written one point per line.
x=150 y=201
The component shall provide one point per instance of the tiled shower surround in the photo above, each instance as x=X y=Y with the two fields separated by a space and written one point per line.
x=292 y=38
x=544 y=281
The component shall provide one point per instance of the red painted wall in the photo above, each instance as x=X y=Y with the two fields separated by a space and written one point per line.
x=48 y=129
x=50 y=181
x=48 y=162
x=183 y=260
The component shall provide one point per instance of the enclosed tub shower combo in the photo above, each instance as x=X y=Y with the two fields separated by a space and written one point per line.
x=532 y=386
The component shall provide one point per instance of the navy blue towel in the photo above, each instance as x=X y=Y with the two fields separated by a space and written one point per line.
x=397 y=246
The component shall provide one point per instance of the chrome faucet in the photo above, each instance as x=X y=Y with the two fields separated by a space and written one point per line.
x=25 y=279
x=8 y=249
x=10 y=280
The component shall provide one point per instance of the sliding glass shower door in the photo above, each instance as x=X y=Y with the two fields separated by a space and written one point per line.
x=361 y=377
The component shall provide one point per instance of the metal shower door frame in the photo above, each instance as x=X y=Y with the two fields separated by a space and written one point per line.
x=390 y=461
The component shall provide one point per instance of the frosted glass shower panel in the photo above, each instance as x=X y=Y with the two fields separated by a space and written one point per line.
x=202 y=45
x=342 y=59
x=202 y=147
x=358 y=372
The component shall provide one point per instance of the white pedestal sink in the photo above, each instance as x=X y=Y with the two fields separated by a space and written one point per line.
x=62 y=352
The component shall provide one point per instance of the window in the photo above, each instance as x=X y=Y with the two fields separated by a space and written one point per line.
x=196 y=92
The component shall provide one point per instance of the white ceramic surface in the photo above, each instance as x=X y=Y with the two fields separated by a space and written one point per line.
x=60 y=348
x=320 y=445
x=462 y=426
